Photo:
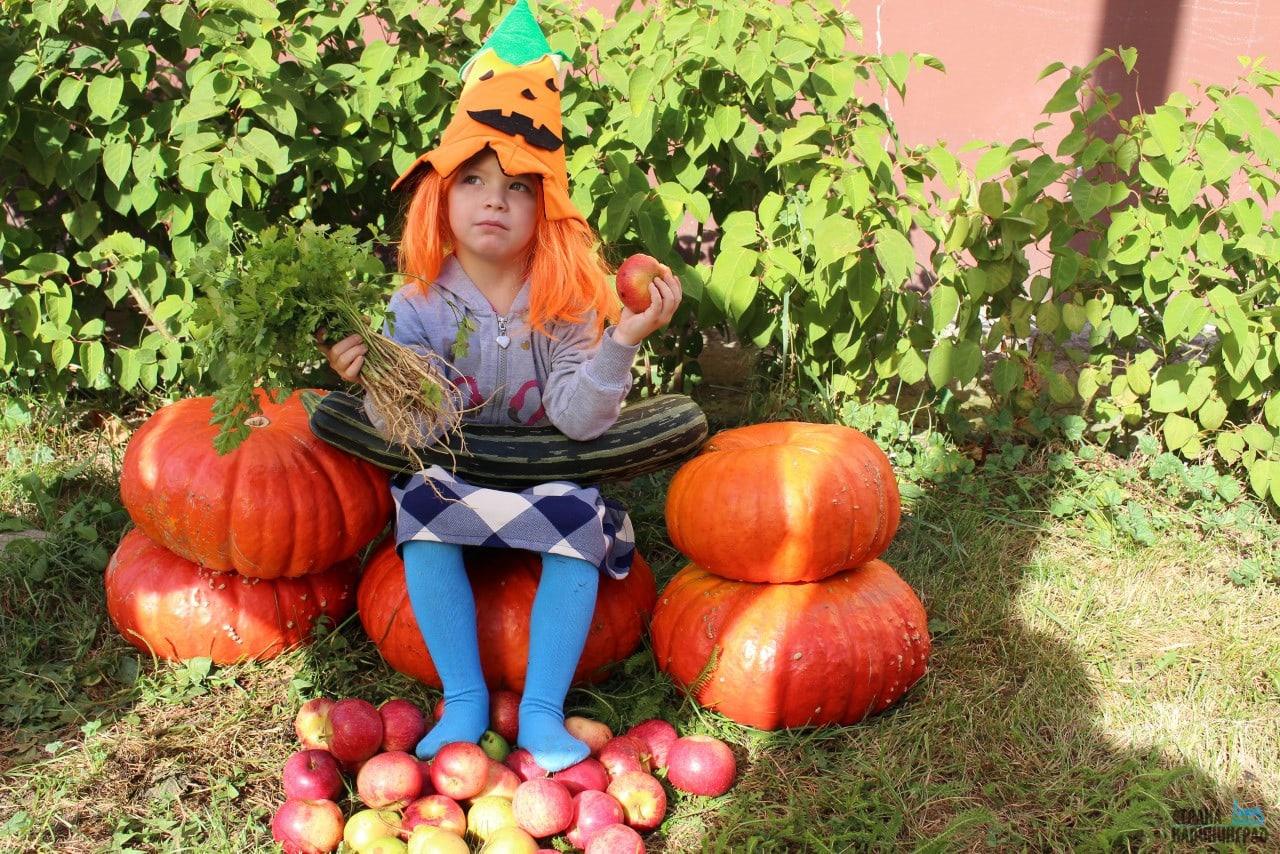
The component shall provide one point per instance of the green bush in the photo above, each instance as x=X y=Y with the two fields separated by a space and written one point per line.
x=129 y=156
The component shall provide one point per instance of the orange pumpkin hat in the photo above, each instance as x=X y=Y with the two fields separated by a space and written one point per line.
x=511 y=103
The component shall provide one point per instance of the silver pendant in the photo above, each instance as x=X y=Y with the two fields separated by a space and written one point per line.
x=503 y=341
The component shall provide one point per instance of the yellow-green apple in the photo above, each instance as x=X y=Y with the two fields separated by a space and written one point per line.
x=367 y=825
x=312 y=723
x=355 y=730
x=487 y=814
x=657 y=735
x=510 y=840
x=436 y=840
x=500 y=782
x=616 y=839
x=434 y=811
x=389 y=780
x=312 y=775
x=307 y=827
x=459 y=770
x=494 y=745
x=593 y=734
x=701 y=765
x=643 y=799
x=526 y=767
x=593 y=811
x=543 y=807
x=587 y=774
x=386 y=845
x=634 y=276
x=624 y=753
x=403 y=725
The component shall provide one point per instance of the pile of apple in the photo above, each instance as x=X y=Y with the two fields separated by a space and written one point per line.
x=485 y=792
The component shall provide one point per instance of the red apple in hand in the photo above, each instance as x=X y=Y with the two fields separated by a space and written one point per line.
x=616 y=839
x=701 y=765
x=633 y=280
x=642 y=797
x=356 y=729
x=403 y=725
x=307 y=827
x=459 y=770
x=312 y=775
x=543 y=807
x=389 y=780
x=658 y=736
x=592 y=812
x=312 y=723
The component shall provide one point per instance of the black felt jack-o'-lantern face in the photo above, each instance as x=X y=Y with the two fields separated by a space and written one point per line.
x=521 y=106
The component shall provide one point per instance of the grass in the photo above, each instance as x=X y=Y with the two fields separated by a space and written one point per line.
x=1082 y=688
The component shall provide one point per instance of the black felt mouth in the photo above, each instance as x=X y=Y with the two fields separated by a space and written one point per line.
x=518 y=124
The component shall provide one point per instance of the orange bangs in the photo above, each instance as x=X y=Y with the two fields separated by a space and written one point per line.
x=567 y=274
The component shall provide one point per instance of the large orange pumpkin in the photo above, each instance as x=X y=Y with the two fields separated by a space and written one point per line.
x=283 y=504
x=503 y=582
x=791 y=655
x=784 y=501
x=169 y=606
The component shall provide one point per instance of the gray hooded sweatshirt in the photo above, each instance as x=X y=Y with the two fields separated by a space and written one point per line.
x=528 y=378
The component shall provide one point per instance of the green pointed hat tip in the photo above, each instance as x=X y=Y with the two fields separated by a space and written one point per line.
x=517 y=39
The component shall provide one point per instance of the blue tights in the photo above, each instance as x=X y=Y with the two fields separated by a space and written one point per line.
x=444 y=606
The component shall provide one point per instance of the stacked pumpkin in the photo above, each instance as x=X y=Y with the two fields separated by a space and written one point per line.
x=236 y=557
x=786 y=617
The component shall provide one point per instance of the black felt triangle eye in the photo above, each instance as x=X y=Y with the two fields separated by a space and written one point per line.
x=487 y=75
x=551 y=84
x=526 y=93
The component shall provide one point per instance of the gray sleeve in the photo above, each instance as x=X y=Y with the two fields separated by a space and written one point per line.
x=588 y=381
x=411 y=331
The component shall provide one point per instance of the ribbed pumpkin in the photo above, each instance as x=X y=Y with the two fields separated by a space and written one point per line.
x=791 y=655
x=784 y=501
x=165 y=604
x=503 y=582
x=283 y=504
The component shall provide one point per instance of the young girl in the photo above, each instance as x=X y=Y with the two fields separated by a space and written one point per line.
x=516 y=299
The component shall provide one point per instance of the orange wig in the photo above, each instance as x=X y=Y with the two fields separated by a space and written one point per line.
x=566 y=272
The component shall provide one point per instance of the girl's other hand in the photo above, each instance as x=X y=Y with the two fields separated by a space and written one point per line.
x=665 y=293
x=345 y=357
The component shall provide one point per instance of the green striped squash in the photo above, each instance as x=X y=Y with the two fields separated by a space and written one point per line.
x=649 y=435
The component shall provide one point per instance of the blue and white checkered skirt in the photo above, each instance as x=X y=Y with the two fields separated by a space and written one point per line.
x=558 y=517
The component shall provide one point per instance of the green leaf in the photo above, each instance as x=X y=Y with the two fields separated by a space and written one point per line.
x=1066 y=97
x=69 y=92
x=116 y=159
x=104 y=95
x=836 y=238
x=1239 y=116
x=1271 y=409
x=1230 y=446
x=733 y=286
x=1124 y=321
x=941 y=369
x=1212 y=414
x=911 y=368
x=91 y=362
x=896 y=257
x=794 y=153
x=1007 y=375
x=943 y=302
x=1089 y=199
x=1178 y=431
x=966 y=361
x=1258 y=437
x=1185 y=184
x=128 y=366
x=991 y=199
x=198 y=111
x=1169 y=390
x=640 y=88
x=1166 y=130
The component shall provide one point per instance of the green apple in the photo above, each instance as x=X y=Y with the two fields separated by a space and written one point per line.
x=495 y=746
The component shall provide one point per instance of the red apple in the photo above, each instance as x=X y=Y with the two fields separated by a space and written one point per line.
x=543 y=807
x=616 y=839
x=356 y=729
x=522 y=762
x=587 y=774
x=500 y=781
x=701 y=765
x=389 y=780
x=623 y=754
x=593 y=811
x=403 y=725
x=366 y=826
x=307 y=827
x=633 y=280
x=642 y=797
x=312 y=775
x=459 y=770
x=485 y=815
x=424 y=770
x=510 y=840
x=504 y=713
x=312 y=723
x=434 y=811
x=435 y=840
x=593 y=734
x=657 y=736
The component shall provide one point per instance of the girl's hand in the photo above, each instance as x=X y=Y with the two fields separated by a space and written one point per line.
x=664 y=293
x=346 y=357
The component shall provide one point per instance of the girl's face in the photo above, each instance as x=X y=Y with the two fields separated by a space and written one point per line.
x=493 y=215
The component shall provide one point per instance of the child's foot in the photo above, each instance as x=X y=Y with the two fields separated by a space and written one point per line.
x=543 y=735
x=465 y=718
